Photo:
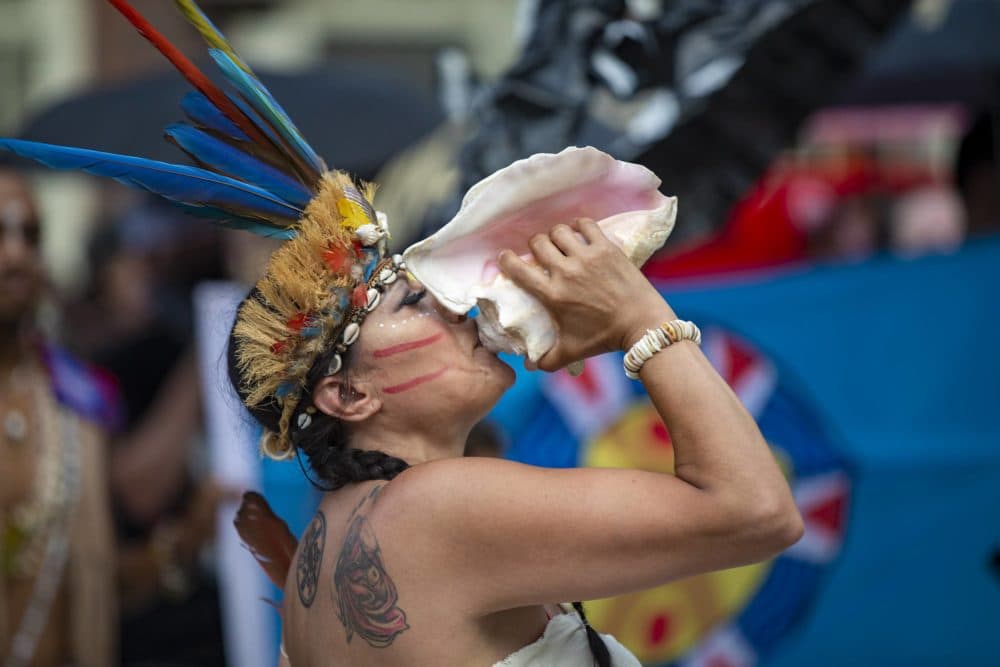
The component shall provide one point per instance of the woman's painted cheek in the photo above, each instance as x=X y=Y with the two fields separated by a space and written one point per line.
x=407 y=345
x=414 y=318
x=413 y=358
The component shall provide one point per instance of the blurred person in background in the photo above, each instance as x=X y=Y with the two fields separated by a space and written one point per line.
x=139 y=328
x=57 y=604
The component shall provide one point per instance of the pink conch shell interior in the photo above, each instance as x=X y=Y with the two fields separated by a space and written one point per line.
x=457 y=264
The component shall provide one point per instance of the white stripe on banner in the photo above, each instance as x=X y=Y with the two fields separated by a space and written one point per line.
x=822 y=502
x=726 y=647
x=590 y=402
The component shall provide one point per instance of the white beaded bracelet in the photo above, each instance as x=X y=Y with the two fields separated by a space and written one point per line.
x=657 y=339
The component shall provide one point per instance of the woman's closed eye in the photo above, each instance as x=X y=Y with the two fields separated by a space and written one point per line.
x=412 y=298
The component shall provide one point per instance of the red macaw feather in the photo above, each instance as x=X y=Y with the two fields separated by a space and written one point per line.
x=266 y=536
x=190 y=71
x=359 y=297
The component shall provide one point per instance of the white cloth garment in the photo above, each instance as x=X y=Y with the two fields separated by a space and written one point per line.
x=564 y=644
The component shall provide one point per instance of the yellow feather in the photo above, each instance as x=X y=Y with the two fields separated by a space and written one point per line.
x=353 y=215
x=209 y=32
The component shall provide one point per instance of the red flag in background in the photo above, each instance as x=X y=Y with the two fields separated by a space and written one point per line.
x=778 y=220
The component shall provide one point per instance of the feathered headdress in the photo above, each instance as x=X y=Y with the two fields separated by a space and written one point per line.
x=256 y=172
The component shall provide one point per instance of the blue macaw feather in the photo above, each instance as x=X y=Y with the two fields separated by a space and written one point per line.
x=203 y=113
x=219 y=156
x=206 y=115
x=188 y=185
x=373 y=260
x=268 y=108
x=254 y=117
x=198 y=108
x=229 y=221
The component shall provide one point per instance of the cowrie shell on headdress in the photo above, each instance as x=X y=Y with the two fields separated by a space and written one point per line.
x=397 y=260
x=335 y=364
x=387 y=276
x=351 y=332
x=373 y=298
x=304 y=421
x=368 y=234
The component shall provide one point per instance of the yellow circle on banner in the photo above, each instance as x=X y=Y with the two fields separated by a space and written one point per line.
x=662 y=624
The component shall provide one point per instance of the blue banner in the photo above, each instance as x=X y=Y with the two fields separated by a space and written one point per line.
x=878 y=387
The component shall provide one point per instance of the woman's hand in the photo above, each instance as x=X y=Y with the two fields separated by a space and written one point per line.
x=599 y=300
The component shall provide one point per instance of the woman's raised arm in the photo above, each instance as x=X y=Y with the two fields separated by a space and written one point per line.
x=510 y=535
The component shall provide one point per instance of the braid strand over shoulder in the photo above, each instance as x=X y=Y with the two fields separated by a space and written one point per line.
x=337 y=464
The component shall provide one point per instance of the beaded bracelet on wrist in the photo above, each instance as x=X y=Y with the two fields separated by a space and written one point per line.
x=656 y=340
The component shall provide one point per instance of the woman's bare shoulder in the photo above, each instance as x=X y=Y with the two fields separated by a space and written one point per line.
x=461 y=466
x=435 y=500
x=435 y=485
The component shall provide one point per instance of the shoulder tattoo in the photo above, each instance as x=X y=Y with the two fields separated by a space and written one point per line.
x=311 y=559
x=366 y=597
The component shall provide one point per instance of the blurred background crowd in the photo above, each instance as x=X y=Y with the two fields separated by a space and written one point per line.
x=836 y=168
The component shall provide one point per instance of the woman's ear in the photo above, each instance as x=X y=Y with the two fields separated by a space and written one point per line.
x=345 y=401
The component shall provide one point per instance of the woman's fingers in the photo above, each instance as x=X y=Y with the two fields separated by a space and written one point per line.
x=567 y=240
x=590 y=231
x=583 y=280
x=551 y=361
x=527 y=276
x=545 y=251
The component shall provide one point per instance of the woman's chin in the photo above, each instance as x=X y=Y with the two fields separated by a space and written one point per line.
x=497 y=370
x=506 y=372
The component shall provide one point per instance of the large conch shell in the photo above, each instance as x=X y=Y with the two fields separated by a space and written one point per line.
x=458 y=266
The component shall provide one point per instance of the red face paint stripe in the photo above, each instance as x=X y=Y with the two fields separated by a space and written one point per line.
x=410 y=384
x=406 y=347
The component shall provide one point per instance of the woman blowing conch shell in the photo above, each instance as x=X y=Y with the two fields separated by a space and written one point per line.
x=458 y=265
x=416 y=555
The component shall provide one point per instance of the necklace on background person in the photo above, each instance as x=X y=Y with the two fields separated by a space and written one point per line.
x=15 y=421
x=35 y=539
x=25 y=532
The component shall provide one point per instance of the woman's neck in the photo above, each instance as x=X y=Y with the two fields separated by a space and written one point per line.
x=413 y=445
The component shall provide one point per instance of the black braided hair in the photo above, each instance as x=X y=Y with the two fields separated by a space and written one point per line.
x=324 y=443
x=324 y=440
x=597 y=646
